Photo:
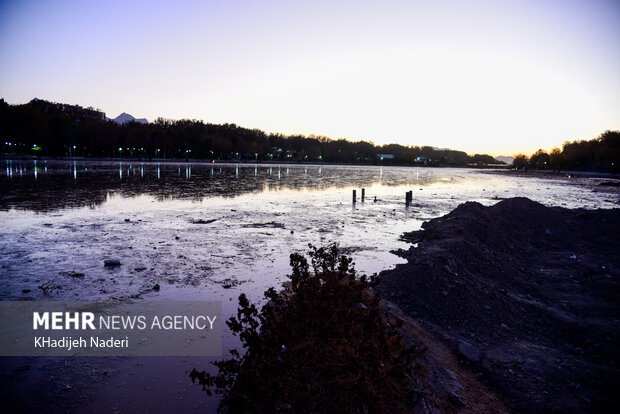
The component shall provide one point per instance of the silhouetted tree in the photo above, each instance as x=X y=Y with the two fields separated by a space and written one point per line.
x=46 y=128
x=539 y=160
x=556 y=159
x=520 y=161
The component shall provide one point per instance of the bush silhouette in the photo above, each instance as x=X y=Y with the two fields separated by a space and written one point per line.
x=324 y=344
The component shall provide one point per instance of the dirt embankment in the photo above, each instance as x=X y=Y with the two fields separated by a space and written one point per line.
x=528 y=296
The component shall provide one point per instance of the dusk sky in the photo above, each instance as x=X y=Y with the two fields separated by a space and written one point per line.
x=499 y=77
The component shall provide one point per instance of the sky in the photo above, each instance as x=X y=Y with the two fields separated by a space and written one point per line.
x=497 y=77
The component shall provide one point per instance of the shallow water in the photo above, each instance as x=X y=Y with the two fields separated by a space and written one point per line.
x=189 y=227
x=194 y=229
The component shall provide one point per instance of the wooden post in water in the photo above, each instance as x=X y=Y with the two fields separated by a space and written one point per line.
x=354 y=197
x=363 y=194
x=408 y=197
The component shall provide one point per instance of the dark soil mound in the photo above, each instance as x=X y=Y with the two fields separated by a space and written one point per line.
x=529 y=294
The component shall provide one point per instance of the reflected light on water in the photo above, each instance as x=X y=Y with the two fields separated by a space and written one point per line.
x=58 y=188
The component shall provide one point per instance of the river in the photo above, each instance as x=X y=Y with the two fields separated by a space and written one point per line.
x=206 y=232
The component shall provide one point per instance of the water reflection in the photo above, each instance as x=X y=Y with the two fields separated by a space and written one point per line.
x=59 y=187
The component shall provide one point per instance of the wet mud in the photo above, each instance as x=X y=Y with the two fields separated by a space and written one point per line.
x=208 y=232
x=526 y=295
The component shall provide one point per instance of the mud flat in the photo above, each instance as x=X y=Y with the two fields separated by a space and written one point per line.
x=587 y=178
x=527 y=296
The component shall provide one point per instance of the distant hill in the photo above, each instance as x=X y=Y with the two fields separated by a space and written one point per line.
x=125 y=117
x=505 y=158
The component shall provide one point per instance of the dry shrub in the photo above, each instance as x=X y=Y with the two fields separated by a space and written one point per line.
x=324 y=344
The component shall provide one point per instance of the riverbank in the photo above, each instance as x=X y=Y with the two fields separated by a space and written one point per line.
x=526 y=295
x=567 y=175
x=154 y=160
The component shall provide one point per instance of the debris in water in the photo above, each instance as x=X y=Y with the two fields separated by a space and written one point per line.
x=201 y=221
x=111 y=262
x=270 y=224
x=230 y=282
x=72 y=274
x=49 y=286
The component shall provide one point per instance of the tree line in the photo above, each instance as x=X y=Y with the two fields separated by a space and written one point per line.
x=599 y=154
x=47 y=129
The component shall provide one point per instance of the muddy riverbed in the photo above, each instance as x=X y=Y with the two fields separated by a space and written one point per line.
x=206 y=232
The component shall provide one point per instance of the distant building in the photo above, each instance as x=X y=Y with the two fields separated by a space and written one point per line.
x=421 y=160
x=385 y=156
